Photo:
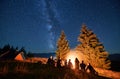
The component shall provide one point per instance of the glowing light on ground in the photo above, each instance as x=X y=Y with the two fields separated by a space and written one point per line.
x=72 y=55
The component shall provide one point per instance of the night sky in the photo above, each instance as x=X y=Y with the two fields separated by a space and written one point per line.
x=36 y=24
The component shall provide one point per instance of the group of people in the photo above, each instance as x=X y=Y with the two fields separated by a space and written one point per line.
x=78 y=66
x=83 y=67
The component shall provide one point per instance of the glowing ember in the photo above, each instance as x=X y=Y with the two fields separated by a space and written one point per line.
x=72 y=55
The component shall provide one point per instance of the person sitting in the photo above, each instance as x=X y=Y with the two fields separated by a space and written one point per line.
x=91 y=69
x=50 y=61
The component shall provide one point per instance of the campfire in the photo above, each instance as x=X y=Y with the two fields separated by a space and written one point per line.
x=72 y=55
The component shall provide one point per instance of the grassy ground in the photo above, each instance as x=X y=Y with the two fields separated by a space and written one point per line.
x=24 y=70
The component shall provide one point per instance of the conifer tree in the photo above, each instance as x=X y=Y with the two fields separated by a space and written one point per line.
x=92 y=49
x=62 y=47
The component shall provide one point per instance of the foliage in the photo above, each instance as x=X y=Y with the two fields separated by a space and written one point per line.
x=24 y=51
x=29 y=54
x=92 y=49
x=62 y=47
x=5 y=48
x=9 y=52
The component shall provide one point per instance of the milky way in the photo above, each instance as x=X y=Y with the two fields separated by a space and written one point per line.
x=52 y=22
x=36 y=24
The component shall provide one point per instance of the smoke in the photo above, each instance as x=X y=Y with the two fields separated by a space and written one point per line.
x=52 y=22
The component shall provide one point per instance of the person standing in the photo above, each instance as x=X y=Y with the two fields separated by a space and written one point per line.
x=59 y=63
x=76 y=64
x=70 y=65
x=65 y=63
x=82 y=66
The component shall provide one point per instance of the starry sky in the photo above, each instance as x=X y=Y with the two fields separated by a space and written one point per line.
x=36 y=24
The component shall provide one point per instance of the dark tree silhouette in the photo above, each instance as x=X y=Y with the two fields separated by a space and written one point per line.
x=29 y=54
x=9 y=52
x=6 y=48
x=24 y=51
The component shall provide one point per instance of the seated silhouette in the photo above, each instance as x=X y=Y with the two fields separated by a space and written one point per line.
x=51 y=62
x=91 y=69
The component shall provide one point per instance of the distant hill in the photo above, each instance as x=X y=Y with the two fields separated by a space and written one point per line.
x=115 y=62
x=114 y=57
x=44 y=55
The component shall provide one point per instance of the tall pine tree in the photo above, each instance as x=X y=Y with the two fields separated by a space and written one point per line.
x=92 y=49
x=62 y=47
